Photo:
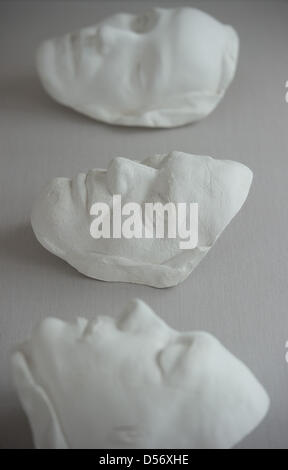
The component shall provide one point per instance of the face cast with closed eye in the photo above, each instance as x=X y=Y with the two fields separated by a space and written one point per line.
x=61 y=217
x=134 y=382
x=165 y=67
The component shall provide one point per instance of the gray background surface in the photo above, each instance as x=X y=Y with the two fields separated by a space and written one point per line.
x=239 y=291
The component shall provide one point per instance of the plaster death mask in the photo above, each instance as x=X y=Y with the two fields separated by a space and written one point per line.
x=61 y=216
x=133 y=382
x=163 y=68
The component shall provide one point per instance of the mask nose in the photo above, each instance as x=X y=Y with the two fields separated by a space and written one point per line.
x=139 y=318
x=107 y=36
x=127 y=176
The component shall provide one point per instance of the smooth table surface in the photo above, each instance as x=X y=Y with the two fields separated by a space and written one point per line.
x=239 y=291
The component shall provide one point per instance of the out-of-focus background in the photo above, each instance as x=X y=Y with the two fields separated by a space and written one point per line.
x=239 y=291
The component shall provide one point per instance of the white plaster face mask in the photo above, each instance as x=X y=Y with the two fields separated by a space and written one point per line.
x=61 y=217
x=134 y=382
x=163 y=68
